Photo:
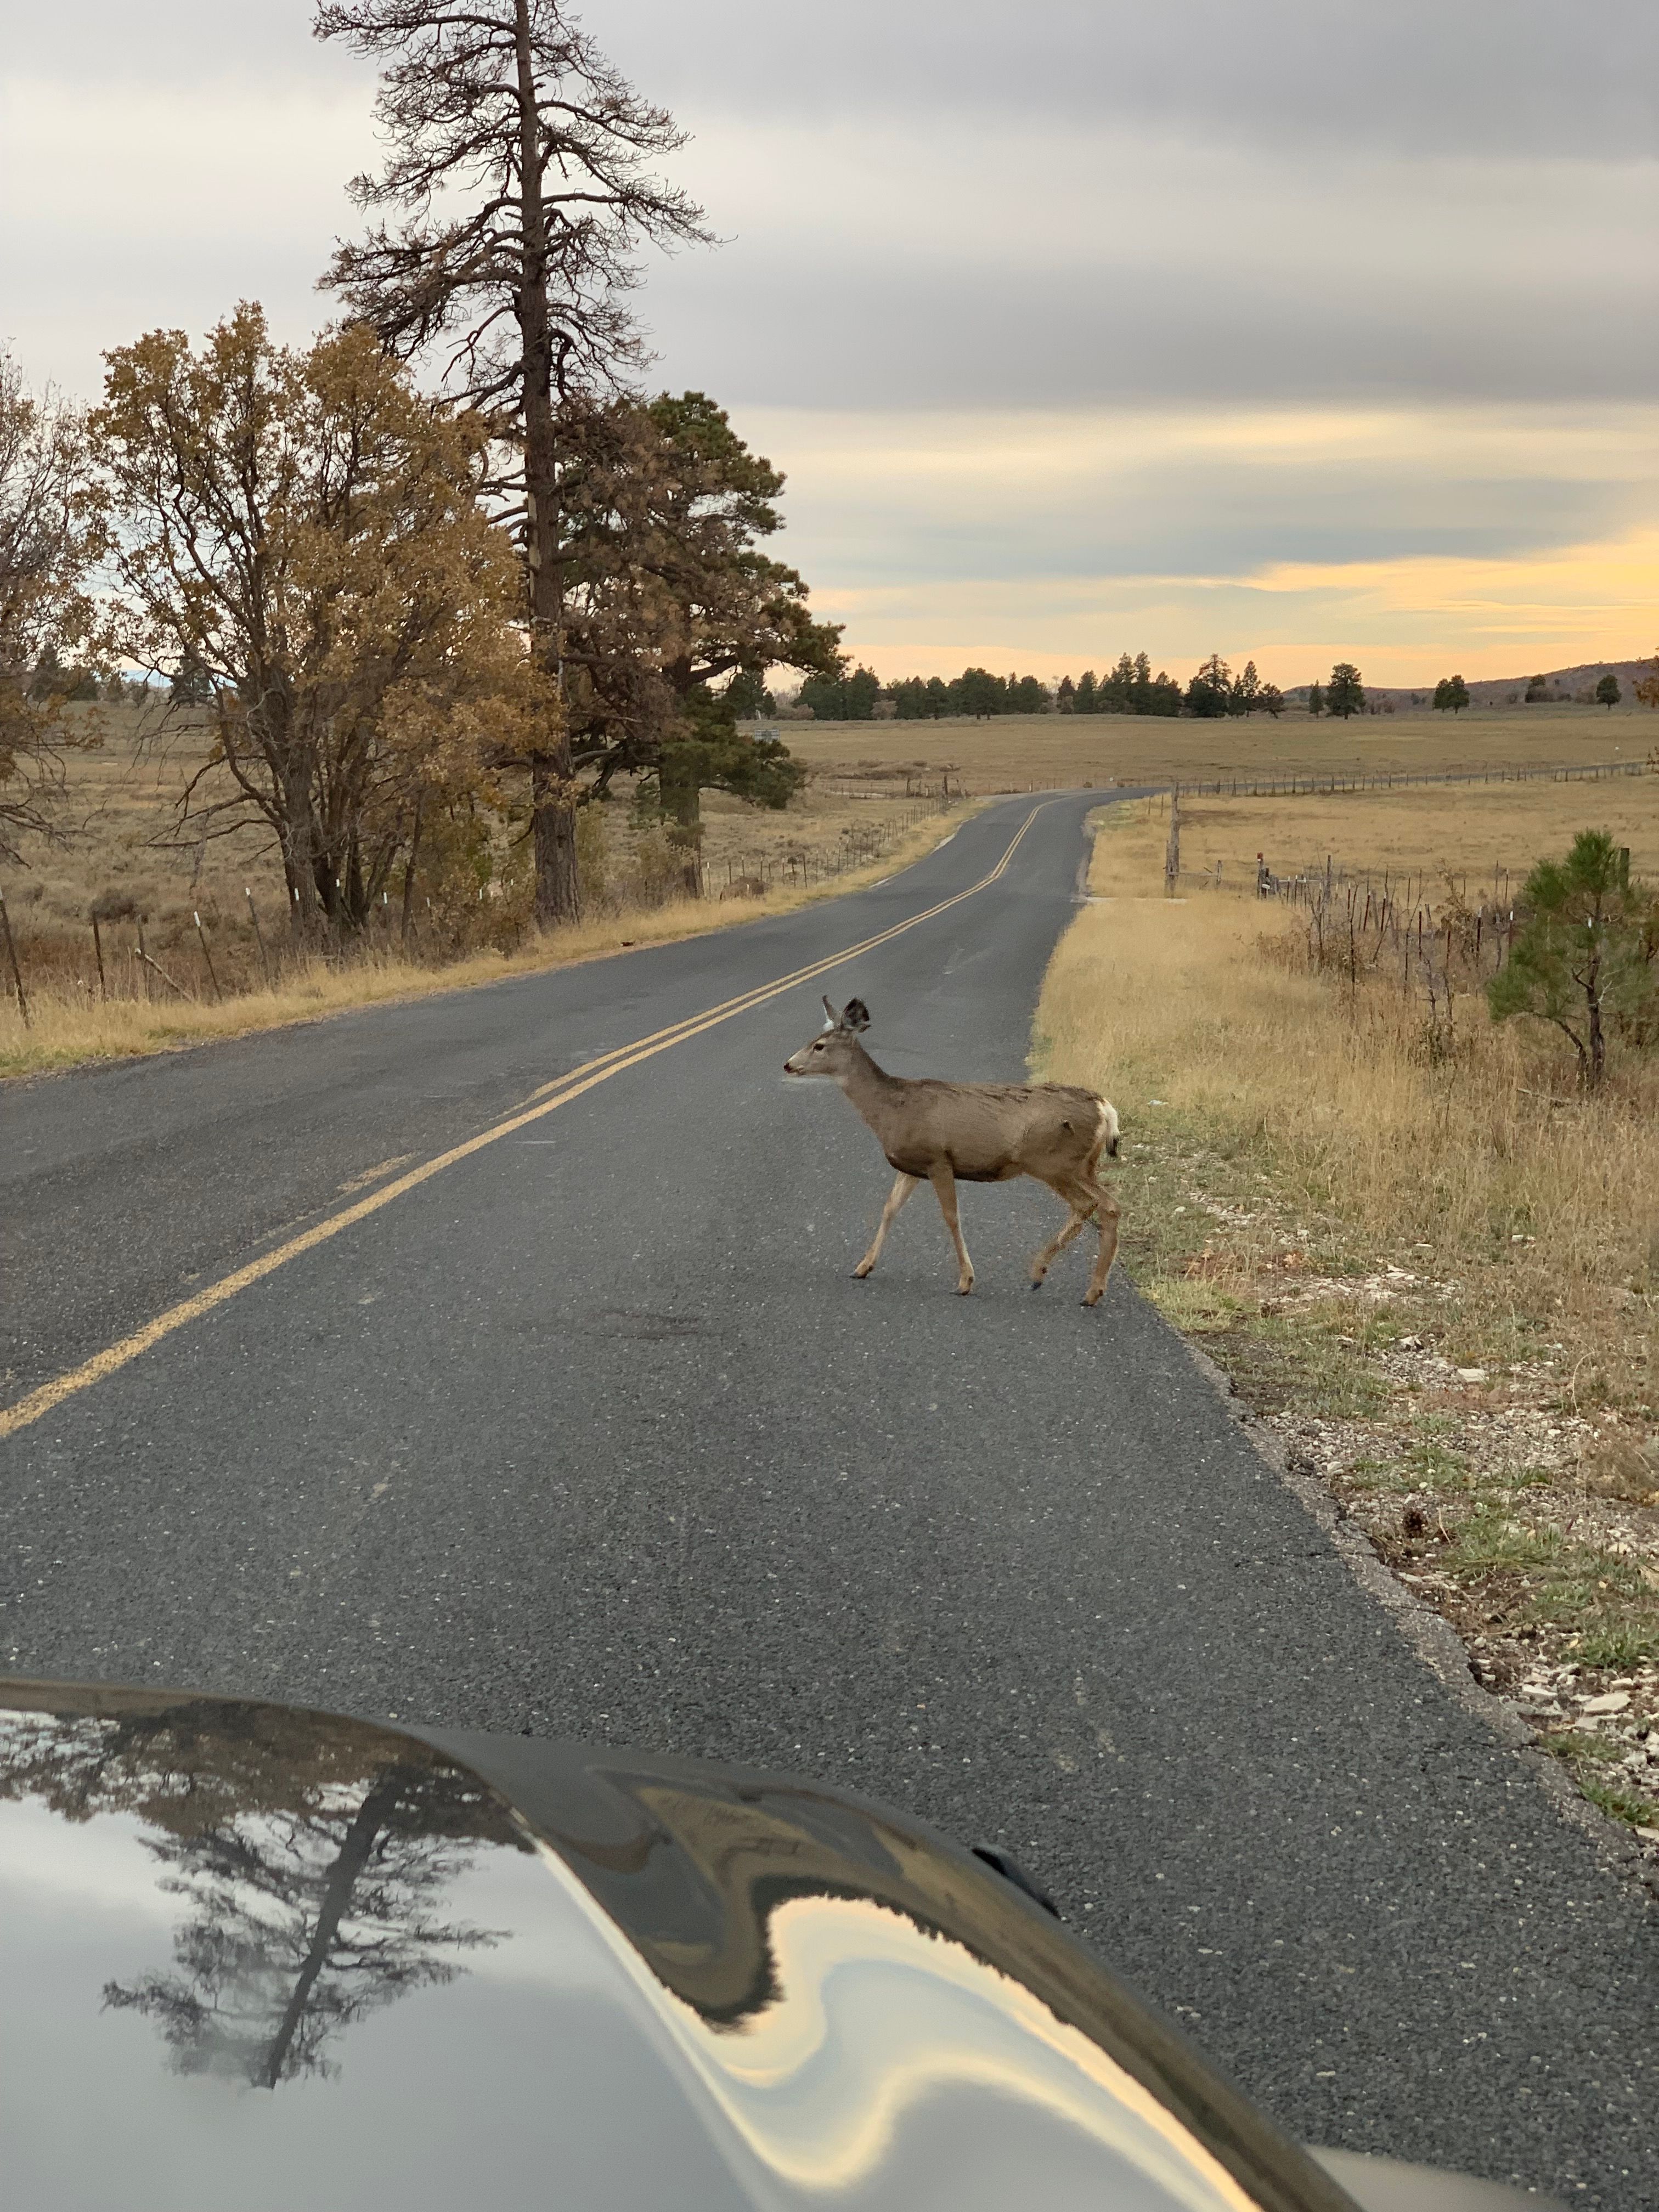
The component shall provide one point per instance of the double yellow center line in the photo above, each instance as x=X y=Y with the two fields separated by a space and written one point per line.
x=547 y=1100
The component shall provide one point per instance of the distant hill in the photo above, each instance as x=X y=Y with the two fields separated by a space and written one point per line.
x=1562 y=687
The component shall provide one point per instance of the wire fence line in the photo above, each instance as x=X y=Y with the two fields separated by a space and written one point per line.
x=1330 y=783
x=216 y=960
x=1374 y=924
x=1291 y=786
x=800 y=867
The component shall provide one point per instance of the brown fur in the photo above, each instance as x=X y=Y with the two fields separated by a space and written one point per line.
x=950 y=1132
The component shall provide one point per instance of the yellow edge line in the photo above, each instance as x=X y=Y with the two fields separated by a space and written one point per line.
x=580 y=1079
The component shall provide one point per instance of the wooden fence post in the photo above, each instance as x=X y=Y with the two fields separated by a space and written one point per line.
x=97 y=949
x=165 y=978
x=11 y=954
x=259 y=935
x=1172 y=850
x=201 y=939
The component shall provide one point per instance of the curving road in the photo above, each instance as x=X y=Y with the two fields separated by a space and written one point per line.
x=589 y=1431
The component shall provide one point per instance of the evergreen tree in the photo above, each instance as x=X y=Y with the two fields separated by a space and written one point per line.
x=1088 y=700
x=191 y=685
x=1116 y=693
x=51 y=679
x=1457 y=694
x=708 y=752
x=1247 y=691
x=863 y=690
x=1315 y=700
x=978 y=693
x=1271 y=701
x=1344 y=695
x=1537 y=688
x=1211 y=690
x=1028 y=695
x=1065 y=696
x=842 y=698
x=1586 y=960
x=1607 y=692
x=747 y=696
x=664 y=510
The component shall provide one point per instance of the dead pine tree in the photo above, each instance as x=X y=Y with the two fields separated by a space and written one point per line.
x=518 y=175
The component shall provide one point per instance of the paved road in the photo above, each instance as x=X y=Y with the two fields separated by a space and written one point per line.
x=592 y=1432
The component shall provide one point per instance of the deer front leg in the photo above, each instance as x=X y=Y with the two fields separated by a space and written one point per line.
x=895 y=1198
x=944 y=1181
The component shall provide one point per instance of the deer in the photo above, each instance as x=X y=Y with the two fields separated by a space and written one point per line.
x=949 y=1132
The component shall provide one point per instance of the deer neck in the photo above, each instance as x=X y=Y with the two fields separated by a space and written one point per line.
x=875 y=1094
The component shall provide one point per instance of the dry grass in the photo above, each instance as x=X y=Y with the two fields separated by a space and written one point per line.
x=70 y=1024
x=120 y=833
x=1017 y=752
x=1472 y=831
x=120 y=840
x=1438 y=1275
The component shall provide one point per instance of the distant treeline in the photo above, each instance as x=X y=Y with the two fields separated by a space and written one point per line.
x=1129 y=687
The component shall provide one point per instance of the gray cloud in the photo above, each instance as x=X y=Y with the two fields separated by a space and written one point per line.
x=1445 y=206
x=872 y=269
x=190 y=46
x=1193 y=514
x=759 y=332
x=1543 y=78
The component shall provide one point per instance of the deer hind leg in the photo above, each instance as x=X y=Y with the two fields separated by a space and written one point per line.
x=944 y=1190
x=1076 y=1223
x=895 y=1198
x=1106 y=1215
x=1090 y=1200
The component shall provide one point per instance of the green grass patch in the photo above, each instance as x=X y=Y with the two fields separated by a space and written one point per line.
x=1543 y=1574
x=1622 y=1804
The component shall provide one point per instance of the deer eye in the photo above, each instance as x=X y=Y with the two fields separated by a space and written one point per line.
x=819 y=1047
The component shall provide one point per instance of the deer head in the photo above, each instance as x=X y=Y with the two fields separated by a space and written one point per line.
x=835 y=1049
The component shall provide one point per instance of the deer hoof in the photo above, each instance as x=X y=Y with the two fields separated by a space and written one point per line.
x=1037 y=1282
x=859 y=1274
x=1091 y=1297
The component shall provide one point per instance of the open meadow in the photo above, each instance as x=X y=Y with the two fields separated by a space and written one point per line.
x=193 y=940
x=1016 y=752
x=1422 y=1254
x=1482 y=838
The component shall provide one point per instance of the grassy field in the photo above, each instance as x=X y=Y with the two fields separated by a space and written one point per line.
x=120 y=846
x=1433 y=1269
x=1486 y=838
x=1067 y=751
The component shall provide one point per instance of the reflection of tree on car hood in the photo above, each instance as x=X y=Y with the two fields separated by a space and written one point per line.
x=313 y=1865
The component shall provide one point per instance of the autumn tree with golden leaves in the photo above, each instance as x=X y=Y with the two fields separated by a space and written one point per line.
x=44 y=553
x=304 y=530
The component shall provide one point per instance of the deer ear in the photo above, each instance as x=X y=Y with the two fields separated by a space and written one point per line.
x=855 y=1015
x=831 y=1017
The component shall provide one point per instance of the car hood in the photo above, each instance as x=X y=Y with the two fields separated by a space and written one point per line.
x=254 y=1956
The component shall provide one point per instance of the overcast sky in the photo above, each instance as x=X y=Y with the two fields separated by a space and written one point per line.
x=1295 y=328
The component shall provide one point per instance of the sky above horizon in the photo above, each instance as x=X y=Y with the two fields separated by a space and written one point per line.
x=1292 y=329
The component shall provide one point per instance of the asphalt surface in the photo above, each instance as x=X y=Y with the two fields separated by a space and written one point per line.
x=594 y=1434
